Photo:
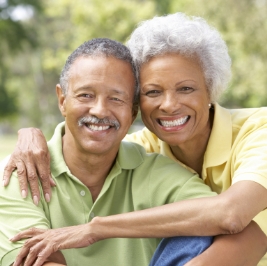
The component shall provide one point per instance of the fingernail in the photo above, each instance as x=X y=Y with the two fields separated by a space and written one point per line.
x=23 y=193
x=11 y=239
x=3 y=182
x=35 y=200
x=47 y=197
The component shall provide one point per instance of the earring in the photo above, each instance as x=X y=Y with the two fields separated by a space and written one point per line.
x=209 y=105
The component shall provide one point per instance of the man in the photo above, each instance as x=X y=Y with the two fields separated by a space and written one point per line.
x=96 y=174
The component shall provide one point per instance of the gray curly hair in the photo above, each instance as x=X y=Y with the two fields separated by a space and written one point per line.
x=188 y=36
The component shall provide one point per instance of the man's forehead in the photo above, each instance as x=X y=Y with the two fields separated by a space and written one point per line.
x=100 y=64
x=109 y=72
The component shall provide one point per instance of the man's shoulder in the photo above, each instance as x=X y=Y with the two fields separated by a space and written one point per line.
x=137 y=155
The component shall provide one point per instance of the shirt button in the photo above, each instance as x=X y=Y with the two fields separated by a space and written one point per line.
x=92 y=215
x=82 y=193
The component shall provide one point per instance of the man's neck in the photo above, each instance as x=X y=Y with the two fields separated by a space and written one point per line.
x=90 y=169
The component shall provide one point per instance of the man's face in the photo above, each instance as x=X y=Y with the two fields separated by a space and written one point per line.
x=98 y=105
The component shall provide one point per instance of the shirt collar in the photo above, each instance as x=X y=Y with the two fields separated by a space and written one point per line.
x=57 y=162
x=219 y=145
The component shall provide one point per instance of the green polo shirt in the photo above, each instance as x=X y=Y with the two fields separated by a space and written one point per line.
x=137 y=181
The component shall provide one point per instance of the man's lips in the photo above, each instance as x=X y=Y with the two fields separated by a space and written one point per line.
x=174 y=122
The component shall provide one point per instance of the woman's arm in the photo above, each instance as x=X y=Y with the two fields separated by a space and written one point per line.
x=32 y=160
x=243 y=249
x=227 y=213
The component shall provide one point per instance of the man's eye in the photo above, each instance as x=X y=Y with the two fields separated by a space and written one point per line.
x=85 y=95
x=152 y=93
x=115 y=99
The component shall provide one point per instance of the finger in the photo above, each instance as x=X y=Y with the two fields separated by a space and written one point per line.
x=33 y=254
x=25 y=250
x=33 y=182
x=27 y=233
x=22 y=177
x=45 y=182
x=34 y=249
x=42 y=256
x=43 y=169
x=9 y=168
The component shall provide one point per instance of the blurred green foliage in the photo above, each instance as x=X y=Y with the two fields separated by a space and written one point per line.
x=34 y=50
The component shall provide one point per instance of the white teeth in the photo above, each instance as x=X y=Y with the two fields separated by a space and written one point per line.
x=173 y=123
x=98 y=128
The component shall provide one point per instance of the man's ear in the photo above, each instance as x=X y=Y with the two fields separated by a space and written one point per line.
x=61 y=100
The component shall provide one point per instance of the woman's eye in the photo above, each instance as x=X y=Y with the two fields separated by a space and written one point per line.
x=186 y=89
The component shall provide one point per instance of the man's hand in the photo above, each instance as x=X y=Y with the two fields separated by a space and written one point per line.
x=32 y=160
x=44 y=242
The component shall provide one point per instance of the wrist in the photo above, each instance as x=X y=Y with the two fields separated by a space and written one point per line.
x=98 y=229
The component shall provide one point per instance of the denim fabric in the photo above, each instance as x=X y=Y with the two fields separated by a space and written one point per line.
x=177 y=251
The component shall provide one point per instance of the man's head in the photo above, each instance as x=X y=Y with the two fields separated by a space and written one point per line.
x=97 y=95
x=99 y=47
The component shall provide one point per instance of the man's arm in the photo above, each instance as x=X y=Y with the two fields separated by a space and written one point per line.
x=17 y=214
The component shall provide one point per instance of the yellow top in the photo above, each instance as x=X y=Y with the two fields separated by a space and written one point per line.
x=237 y=149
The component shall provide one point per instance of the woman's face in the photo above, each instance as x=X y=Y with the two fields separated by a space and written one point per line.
x=174 y=99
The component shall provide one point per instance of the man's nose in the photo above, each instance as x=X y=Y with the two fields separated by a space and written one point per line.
x=99 y=108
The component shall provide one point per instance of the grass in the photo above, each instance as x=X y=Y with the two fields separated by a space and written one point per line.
x=7 y=145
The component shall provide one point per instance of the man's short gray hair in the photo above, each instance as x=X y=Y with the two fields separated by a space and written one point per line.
x=99 y=47
x=190 y=37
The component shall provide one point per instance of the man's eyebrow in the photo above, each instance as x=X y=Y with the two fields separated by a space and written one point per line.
x=111 y=90
x=116 y=91
x=84 y=87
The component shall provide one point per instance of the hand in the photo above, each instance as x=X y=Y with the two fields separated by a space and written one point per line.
x=31 y=158
x=45 y=242
x=57 y=257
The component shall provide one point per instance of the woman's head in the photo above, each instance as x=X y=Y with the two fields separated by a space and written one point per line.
x=190 y=37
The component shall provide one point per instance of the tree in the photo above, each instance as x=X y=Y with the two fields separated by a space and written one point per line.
x=243 y=26
x=14 y=35
x=64 y=24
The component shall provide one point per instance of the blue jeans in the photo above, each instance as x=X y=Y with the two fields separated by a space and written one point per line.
x=176 y=251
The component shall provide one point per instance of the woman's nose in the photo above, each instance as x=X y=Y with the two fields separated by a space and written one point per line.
x=169 y=103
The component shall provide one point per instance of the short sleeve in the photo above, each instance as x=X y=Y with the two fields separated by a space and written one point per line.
x=17 y=214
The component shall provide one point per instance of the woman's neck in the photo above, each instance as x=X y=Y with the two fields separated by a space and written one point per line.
x=192 y=152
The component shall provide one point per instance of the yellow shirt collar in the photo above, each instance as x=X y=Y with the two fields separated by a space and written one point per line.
x=219 y=145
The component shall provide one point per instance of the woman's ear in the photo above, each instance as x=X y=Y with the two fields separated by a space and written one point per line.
x=61 y=100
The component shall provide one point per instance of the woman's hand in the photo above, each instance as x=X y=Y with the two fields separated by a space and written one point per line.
x=32 y=160
x=44 y=242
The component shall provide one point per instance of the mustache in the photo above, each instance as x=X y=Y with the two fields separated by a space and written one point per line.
x=95 y=120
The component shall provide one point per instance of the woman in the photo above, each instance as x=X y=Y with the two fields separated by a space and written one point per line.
x=183 y=68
